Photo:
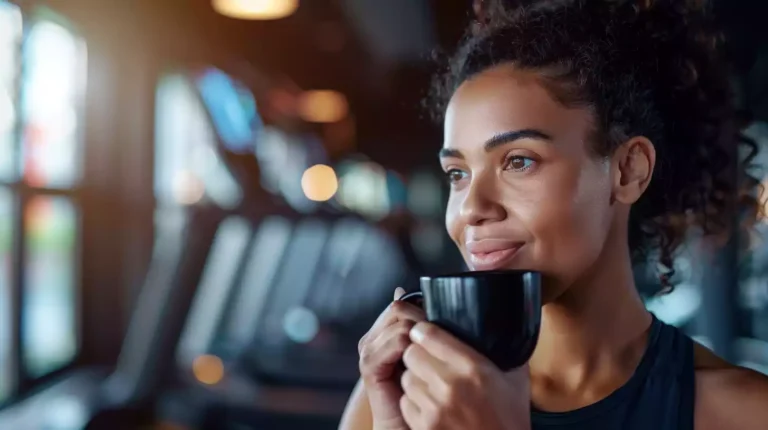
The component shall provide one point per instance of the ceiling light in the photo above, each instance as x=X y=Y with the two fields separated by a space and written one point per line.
x=256 y=9
x=323 y=106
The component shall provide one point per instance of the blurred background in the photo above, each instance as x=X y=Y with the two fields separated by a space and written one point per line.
x=205 y=203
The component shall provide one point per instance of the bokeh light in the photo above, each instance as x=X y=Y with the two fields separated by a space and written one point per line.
x=323 y=106
x=319 y=183
x=188 y=188
x=364 y=189
x=301 y=325
x=256 y=9
x=208 y=369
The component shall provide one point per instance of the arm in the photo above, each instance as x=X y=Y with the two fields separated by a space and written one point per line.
x=357 y=414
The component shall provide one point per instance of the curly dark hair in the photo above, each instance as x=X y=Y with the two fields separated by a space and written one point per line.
x=645 y=68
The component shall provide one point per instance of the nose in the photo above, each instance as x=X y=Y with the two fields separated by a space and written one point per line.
x=481 y=204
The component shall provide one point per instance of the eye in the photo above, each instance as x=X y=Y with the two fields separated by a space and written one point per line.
x=455 y=175
x=518 y=163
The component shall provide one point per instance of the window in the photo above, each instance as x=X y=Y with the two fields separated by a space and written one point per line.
x=49 y=303
x=42 y=84
x=6 y=243
x=52 y=89
x=10 y=37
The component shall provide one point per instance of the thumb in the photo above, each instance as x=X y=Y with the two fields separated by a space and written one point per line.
x=399 y=292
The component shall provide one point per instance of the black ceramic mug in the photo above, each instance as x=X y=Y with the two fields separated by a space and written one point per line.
x=498 y=313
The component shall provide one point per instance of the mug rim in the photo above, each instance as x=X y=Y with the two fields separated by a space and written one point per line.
x=479 y=273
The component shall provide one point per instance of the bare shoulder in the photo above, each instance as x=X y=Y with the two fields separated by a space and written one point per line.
x=728 y=396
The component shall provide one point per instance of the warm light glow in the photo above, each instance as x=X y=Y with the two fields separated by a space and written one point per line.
x=256 y=9
x=208 y=369
x=319 y=183
x=323 y=106
x=188 y=189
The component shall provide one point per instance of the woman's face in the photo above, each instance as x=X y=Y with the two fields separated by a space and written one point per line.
x=526 y=191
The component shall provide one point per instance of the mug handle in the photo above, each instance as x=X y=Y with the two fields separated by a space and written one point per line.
x=414 y=298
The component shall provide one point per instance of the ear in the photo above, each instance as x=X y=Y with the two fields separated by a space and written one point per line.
x=633 y=164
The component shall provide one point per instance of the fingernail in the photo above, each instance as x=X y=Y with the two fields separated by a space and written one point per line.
x=399 y=292
x=417 y=333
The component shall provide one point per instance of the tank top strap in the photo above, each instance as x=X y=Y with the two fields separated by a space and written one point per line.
x=675 y=355
x=672 y=378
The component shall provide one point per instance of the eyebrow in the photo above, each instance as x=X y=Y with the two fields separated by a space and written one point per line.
x=501 y=139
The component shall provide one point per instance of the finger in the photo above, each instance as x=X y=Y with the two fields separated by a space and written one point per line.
x=399 y=292
x=377 y=358
x=417 y=390
x=394 y=338
x=407 y=311
x=443 y=345
x=422 y=365
x=398 y=311
x=395 y=312
x=410 y=411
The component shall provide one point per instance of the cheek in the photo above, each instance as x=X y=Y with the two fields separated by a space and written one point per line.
x=452 y=224
x=569 y=217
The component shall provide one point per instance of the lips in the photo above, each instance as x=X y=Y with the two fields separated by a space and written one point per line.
x=491 y=254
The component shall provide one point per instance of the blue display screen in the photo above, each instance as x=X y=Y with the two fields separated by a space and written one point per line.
x=232 y=108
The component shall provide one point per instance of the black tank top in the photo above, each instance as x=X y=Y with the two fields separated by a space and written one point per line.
x=659 y=396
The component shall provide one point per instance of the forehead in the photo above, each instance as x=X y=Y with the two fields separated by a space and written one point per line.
x=504 y=99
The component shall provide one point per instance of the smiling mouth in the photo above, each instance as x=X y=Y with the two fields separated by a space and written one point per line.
x=492 y=260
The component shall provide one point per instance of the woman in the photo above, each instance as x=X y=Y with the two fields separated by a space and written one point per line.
x=577 y=136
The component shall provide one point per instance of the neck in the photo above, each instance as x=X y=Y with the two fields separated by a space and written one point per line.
x=596 y=330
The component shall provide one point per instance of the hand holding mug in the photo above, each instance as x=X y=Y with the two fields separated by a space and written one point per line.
x=449 y=385
x=497 y=313
x=482 y=325
x=381 y=351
